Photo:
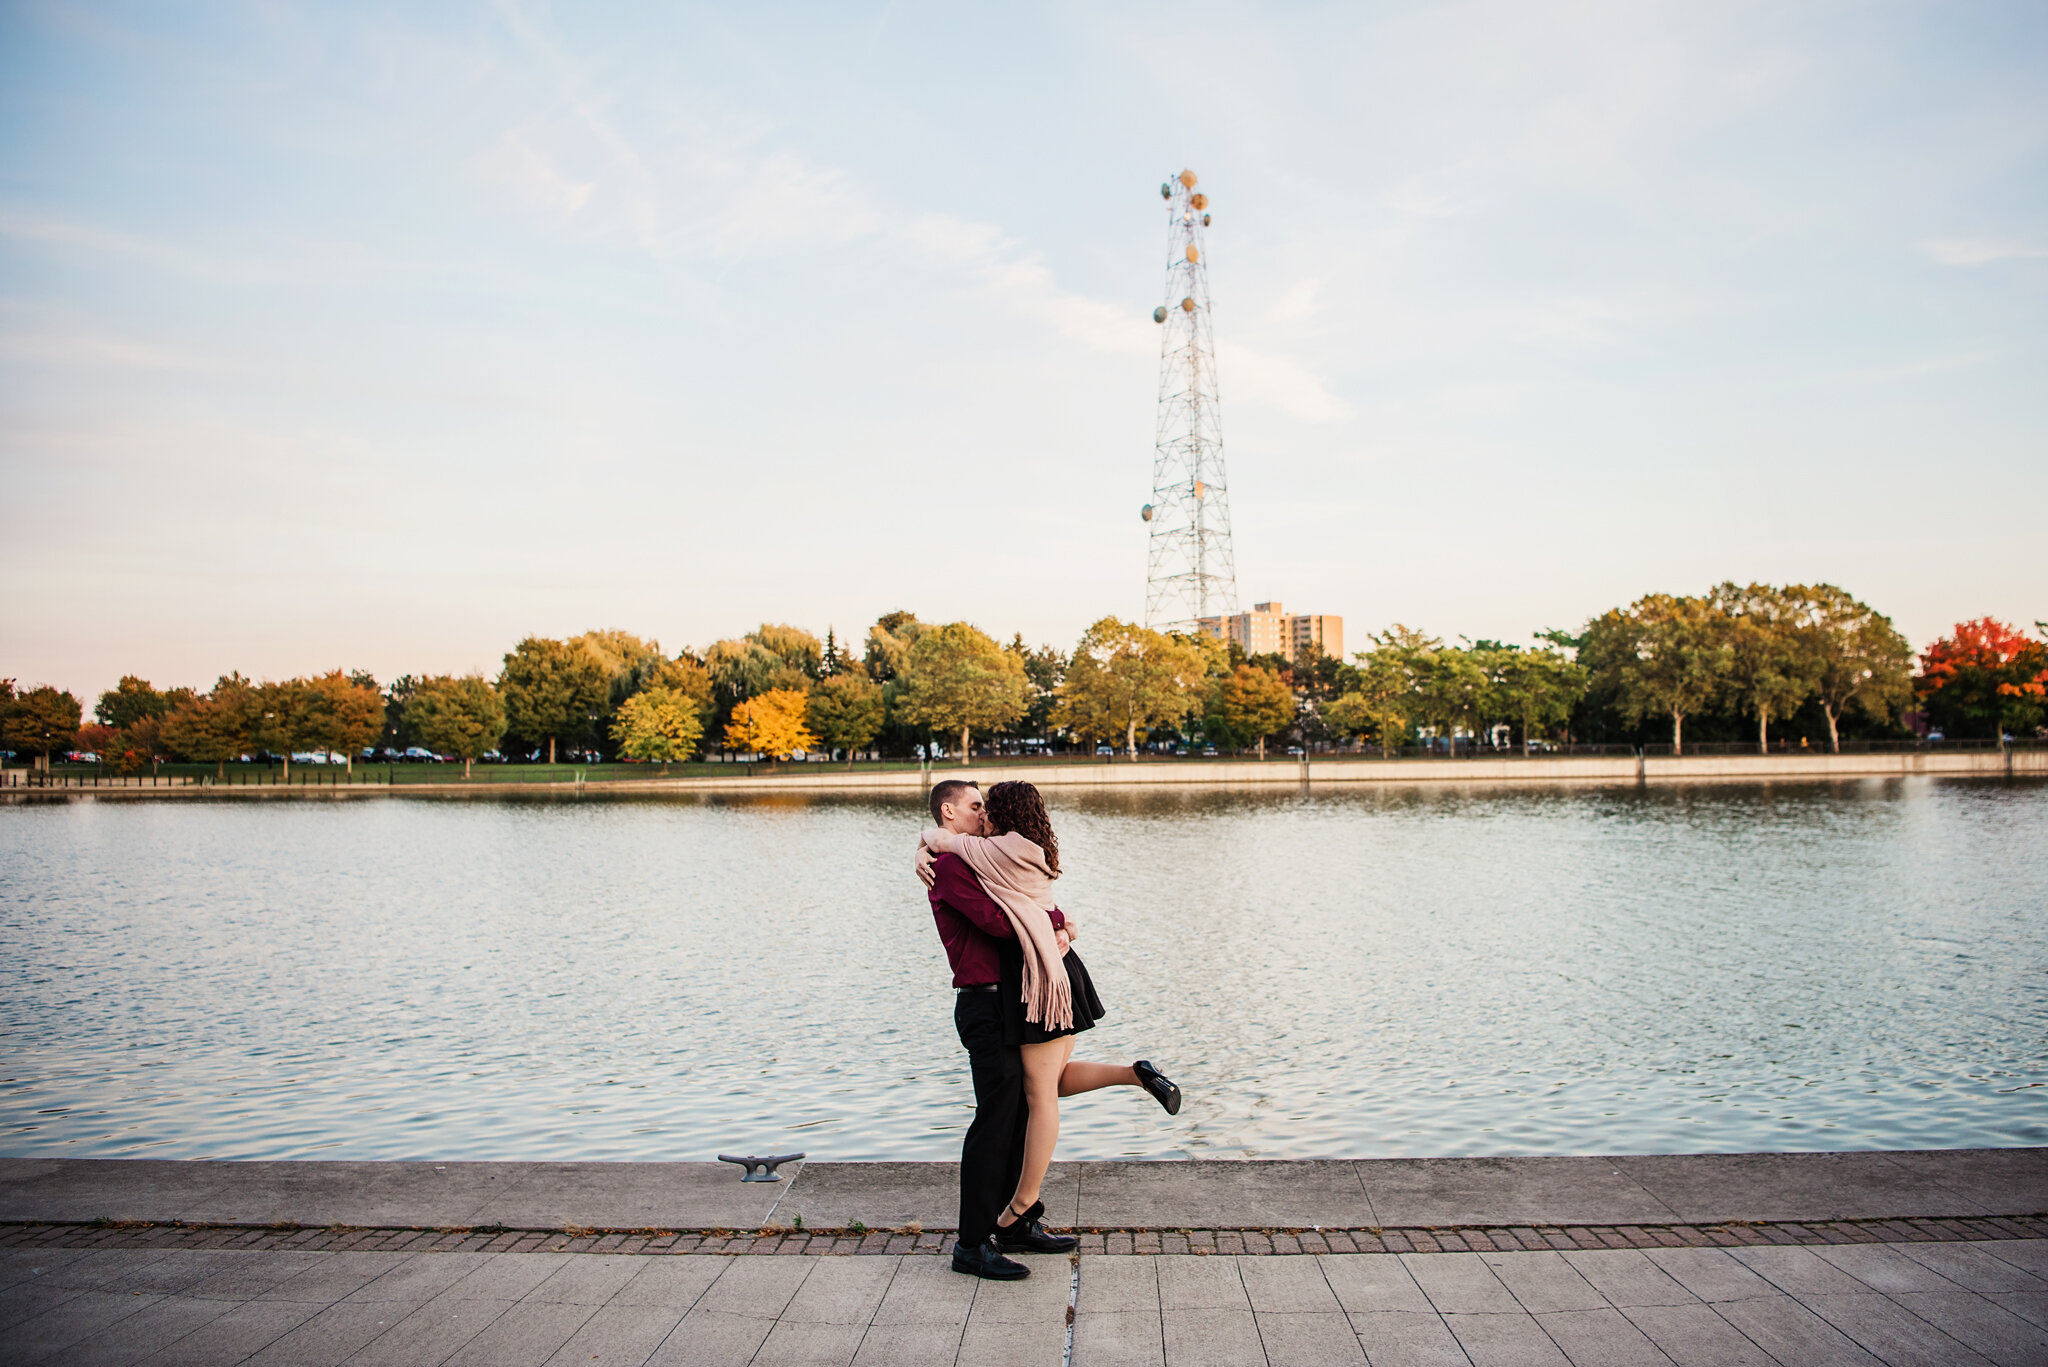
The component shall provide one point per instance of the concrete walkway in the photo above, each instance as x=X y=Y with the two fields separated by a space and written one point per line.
x=1810 y=1286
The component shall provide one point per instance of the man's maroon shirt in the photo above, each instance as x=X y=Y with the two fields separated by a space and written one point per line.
x=970 y=922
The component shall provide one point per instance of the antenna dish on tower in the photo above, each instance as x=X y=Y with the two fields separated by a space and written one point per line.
x=1187 y=178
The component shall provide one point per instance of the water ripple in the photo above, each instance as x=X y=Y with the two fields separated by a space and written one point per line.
x=1452 y=971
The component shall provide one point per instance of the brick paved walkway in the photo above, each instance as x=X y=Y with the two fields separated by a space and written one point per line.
x=1907 y=1303
x=1795 y=1259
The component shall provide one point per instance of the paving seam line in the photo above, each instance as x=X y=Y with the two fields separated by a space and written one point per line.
x=910 y=1239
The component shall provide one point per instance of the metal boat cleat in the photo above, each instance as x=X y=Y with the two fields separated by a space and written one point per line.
x=760 y=1169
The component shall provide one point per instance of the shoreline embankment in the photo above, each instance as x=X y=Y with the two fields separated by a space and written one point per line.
x=1297 y=773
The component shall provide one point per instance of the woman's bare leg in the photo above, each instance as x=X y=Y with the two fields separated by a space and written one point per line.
x=1079 y=1076
x=1043 y=1067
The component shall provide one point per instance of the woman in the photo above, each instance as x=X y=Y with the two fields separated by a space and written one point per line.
x=1047 y=994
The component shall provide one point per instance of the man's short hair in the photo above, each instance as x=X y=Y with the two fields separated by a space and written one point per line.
x=945 y=791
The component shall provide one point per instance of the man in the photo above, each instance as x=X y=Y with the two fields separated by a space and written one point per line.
x=973 y=928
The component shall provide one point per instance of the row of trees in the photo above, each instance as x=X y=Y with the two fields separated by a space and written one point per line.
x=1755 y=655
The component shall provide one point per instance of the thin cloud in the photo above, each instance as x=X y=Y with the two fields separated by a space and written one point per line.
x=1954 y=251
x=85 y=237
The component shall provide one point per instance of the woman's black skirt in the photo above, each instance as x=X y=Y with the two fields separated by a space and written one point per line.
x=1088 y=1007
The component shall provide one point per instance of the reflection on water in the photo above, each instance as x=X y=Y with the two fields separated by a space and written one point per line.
x=1348 y=973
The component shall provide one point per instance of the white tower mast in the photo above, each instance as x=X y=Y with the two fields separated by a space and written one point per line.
x=1190 y=571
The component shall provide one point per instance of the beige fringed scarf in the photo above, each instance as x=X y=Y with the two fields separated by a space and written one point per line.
x=1013 y=871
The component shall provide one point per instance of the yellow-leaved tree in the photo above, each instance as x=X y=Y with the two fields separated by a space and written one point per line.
x=658 y=724
x=771 y=724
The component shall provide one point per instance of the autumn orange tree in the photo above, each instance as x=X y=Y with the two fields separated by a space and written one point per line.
x=1985 y=679
x=341 y=713
x=771 y=724
x=216 y=728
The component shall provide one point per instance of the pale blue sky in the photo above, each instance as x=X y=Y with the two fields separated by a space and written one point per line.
x=381 y=335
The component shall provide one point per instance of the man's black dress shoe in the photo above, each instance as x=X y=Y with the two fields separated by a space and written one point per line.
x=1028 y=1234
x=986 y=1260
x=1162 y=1088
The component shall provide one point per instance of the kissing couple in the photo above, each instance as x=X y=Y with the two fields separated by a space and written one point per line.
x=1021 y=994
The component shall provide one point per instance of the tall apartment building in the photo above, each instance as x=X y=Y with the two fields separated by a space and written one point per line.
x=1269 y=629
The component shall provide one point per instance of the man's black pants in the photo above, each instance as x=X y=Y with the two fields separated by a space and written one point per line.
x=992 y=1159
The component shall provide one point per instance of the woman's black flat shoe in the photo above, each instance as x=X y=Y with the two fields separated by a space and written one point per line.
x=1159 y=1084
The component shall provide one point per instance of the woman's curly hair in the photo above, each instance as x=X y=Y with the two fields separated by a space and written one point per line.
x=1016 y=806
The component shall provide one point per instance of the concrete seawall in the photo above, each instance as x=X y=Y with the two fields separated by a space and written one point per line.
x=1276 y=773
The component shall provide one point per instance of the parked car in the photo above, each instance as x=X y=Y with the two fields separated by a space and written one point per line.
x=1105 y=749
x=1208 y=750
x=415 y=752
x=1295 y=750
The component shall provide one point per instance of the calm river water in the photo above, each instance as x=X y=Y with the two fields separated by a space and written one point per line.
x=1362 y=973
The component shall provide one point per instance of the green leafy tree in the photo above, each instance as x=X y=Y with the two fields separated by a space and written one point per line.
x=398 y=734
x=846 y=710
x=553 y=691
x=1770 y=664
x=1382 y=692
x=340 y=714
x=1538 y=688
x=1122 y=679
x=1855 y=657
x=1665 y=656
x=957 y=678
x=889 y=642
x=688 y=676
x=217 y=727
x=130 y=701
x=41 y=721
x=1454 y=690
x=1257 y=702
x=658 y=724
x=462 y=717
x=1044 y=668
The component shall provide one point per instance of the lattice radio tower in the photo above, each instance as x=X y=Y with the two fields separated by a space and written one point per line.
x=1190 y=572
